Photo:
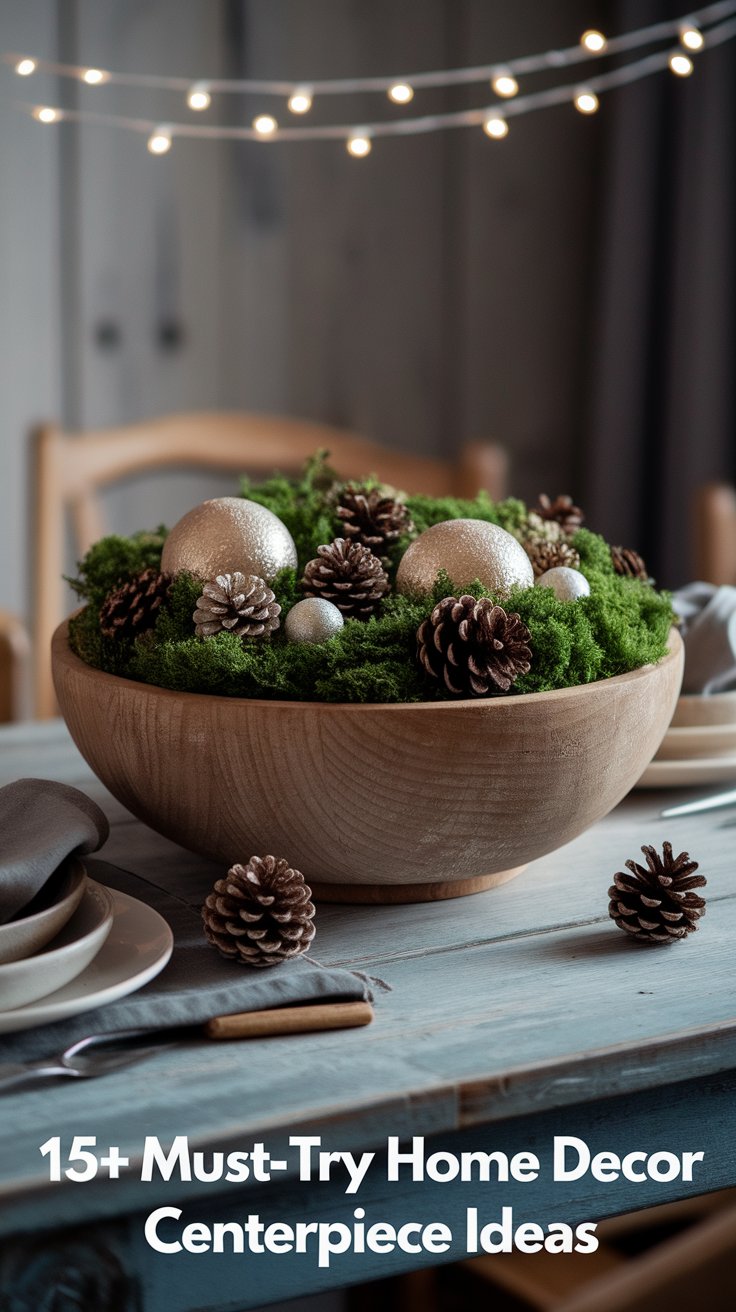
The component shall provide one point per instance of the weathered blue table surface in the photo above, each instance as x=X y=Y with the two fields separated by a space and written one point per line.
x=513 y=1016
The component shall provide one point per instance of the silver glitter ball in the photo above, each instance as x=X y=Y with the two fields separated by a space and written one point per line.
x=313 y=620
x=229 y=535
x=467 y=549
x=567 y=584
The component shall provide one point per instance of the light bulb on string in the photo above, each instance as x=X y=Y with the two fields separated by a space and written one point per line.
x=46 y=114
x=586 y=102
x=359 y=145
x=681 y=65
x=593 y=41
x=300 y=100
x=159 y=142
x=265 y=125
x=691 y=37
x=94 y=77
x=401 y=93
x=25 y=67
x=496 y=127
x=198 y=97
x=504 y=84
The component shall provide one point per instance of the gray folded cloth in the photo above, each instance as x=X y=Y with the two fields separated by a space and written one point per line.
x=41 y=824
x=709 y=630
x=196 y=984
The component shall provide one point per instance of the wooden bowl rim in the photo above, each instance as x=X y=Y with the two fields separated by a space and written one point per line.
x=62 y=654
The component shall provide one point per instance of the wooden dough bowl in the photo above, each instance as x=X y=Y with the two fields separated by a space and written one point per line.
x=373 y=803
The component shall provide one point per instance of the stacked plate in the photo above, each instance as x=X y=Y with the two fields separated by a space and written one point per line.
x=699 y=746
x=76 y=946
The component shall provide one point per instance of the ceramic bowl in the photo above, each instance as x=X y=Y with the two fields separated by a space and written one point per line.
x=65 y=957
x=372 y=802
x=46 y=915
x=718 y=708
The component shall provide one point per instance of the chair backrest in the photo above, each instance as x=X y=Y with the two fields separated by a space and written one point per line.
x=715 y=533
x=15 y=669
x=72 y=469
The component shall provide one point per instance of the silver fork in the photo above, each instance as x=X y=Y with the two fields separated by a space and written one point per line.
x=81 y=1060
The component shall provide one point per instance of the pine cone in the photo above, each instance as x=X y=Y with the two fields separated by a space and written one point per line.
x=548 y=555
x=236 y=603
x=562 y=509
x=473 y=648
x=260 y=914
x=657 y=904
x=629 y=563
x=372 y=518
x=348 y=575
x=133 y=608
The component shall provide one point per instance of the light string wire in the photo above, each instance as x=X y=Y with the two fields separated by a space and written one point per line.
x=525 y=64
x=618 y=77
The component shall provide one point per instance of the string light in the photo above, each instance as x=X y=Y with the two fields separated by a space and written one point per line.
x=46 y=114
x=586 y=102
x=159 y=142
x=681 y=65
x=359 y=145
x=496 y=127
x=593 y=41
x=265 y=125
x=198 y=97
x=25 y=67
x=691 y=37
x=300 y=100
x=505 y=85
x=401 y=93
x=94 y=77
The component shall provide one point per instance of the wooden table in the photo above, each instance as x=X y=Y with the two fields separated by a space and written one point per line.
x=513 y=1016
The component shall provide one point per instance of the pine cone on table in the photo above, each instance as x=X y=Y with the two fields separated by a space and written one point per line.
x=236 y=603
x=629 y=563
x=562 y=509
x=372 y=518
x=349 y=575
x=548 y=555
x=260 y=913
x=657 y=904
x=473 y=648
x=133 y=608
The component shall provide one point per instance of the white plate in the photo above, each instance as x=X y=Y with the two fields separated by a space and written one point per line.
x=29 y=933
x=65 y=957
x=696 y=741
x=137 y=948
x=686 y=774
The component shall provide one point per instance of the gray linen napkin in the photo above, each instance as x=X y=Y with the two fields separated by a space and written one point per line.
x=709 y=630
x=196 y=984
x=41 y=823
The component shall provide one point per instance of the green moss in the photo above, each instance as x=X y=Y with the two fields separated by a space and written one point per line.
x=622 y=625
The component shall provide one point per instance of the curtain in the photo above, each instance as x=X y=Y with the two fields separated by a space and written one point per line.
x=663 y=348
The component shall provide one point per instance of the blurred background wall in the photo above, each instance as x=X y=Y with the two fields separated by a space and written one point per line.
x=567 y=292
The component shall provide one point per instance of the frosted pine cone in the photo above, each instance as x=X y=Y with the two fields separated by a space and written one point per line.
x=473 y=648
x=261 y=913
x=236 y=603
x=134 y=607
x=563 y=510
x=348 y=575
x=657 y=904
x=372 y=518
x=548 y=555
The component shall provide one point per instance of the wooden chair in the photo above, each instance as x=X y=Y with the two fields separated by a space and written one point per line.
x=72 y=469
x=15 y=669
x=715 y=533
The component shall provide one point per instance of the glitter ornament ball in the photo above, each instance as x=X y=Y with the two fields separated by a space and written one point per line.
x=226 y=535
x=567 y=584
x=313 y=620
x=467 y=549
